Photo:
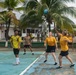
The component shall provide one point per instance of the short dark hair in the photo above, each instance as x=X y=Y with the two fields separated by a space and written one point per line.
x=65 y=32
x=15 y=30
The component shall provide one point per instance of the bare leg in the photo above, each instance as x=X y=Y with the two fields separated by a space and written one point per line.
x=31 y=50
x=54 y=56
x=60 y=62
x=68 y=57
x=16 y=55
x=46 y=54
x=24 y=51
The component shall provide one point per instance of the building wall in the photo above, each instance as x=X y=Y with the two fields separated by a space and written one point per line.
x=2 y=33
x=11 y=31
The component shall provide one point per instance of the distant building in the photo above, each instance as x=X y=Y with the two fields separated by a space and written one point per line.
x=11 y=31
x=3 y=31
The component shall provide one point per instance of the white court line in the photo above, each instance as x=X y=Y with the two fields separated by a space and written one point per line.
x=30 y=65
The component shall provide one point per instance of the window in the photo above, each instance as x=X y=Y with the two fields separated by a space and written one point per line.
x=32 y=30
x=23 y=30
x=28 y=30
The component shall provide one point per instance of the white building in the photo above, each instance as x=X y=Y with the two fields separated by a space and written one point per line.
x=11 y=31
x=2 y=31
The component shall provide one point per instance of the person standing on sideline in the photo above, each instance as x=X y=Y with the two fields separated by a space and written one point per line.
x=27 y=43
x=64 y=48
x=15 y=43
x=51 y=44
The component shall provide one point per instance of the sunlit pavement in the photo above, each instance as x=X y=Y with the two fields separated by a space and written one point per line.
x=38 y=68
x=41 y=68
x=7 y=60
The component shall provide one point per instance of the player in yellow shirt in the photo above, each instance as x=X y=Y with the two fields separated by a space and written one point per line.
x=64 y=48
x=15 y=43
x=51 y=44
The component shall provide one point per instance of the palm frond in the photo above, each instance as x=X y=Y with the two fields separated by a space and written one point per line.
x=69 y=10
x=30 y=4
x=31 y=19
x=63 y=22
x=19 y=8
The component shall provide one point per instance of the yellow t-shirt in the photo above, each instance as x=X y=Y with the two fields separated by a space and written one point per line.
x=63 y=43
x=15 y=40
x=51 y=41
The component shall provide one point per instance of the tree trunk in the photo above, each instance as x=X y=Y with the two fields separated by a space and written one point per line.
x=49 y=20
x=6 y=32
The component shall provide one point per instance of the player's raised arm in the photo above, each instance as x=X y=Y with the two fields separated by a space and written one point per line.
x=59 y=34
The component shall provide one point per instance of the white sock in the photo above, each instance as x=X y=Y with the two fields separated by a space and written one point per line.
x=17 y=60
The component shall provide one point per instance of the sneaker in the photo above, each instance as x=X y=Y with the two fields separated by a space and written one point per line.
x=32 y=53
x=24 y=53
x=45 y=61
x=16 y=63
x=72 y=65
x=58 y=67
x=55 y=63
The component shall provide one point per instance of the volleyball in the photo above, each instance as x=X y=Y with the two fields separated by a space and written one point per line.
x=45 y=11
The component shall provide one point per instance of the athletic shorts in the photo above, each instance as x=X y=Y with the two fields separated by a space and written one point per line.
x=16 y=51
x=50 y=49
x=64 y=53
x=27 y=46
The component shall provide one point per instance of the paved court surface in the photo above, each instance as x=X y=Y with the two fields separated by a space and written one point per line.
x=40 y=68
x=7 y=59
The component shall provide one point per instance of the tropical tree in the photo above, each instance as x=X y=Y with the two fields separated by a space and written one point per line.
x=31 y=17
x=9 y=6
x=57 y=13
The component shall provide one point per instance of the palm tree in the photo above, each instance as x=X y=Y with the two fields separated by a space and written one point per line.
x=57 y=11
x=30 y=17
x=30 y=20
x=9 y=6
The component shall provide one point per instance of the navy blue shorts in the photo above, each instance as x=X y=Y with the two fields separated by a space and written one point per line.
x=27 y=46
x=16 y=51
x=50 y=49
x=64 y=53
